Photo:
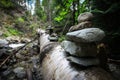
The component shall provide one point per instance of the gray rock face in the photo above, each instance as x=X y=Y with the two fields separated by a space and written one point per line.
x=86 y=35
x=87 y=16
x=79 y=49
x=20 y=72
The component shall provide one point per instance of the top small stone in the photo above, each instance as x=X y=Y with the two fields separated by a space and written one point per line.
x=87 y=16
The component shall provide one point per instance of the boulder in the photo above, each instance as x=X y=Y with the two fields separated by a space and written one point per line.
x=86 y=35
x=87 y=16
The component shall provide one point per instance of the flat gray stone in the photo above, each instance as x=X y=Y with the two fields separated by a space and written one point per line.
x=86 y=35
x=71 y=47
x=84 y=61
x=80 y=49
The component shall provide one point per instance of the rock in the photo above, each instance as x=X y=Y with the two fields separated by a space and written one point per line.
x=23 y=63
x=3 y=42
x=2 y=51
x=19 y=56
x=87 y=16
x=4 y=48
x=35 y=59
x=84 y=61
x=25 y=40
x=16 y=45
x=71 y=47
x=13 y=39
x=86 y=35
x=7 y=72
x=20 y=72
x=86 y=24
x=80 y=49
x=53 y=38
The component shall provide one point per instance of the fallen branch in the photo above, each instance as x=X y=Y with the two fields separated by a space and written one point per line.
x=113 y=61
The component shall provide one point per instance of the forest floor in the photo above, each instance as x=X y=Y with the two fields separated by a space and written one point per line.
x=18 y=59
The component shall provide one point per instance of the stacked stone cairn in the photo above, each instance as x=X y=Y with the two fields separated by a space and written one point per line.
x=81 y=41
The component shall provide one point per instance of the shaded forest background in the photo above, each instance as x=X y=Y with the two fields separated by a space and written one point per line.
x=23 y=17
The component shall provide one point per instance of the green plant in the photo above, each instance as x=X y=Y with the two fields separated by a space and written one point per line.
x=61 y=38
x=11 y=31
x=40 y=13
x=20 y=20
x=6 y=4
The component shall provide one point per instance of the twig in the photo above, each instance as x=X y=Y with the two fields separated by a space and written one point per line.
x=16 y=52
x=113 y=61
x=4 y=61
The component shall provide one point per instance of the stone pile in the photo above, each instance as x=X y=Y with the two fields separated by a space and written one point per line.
x=81 y=42
x=84 y=21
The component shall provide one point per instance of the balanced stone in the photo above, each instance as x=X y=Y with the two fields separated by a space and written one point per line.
x=86 y=24
x=71 y=47
x=86 y=35
x=80 y=49
x=84 y=61
x=87 y=16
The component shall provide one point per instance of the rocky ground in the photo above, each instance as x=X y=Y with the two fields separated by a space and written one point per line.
x=22 y=65
x=18 y=61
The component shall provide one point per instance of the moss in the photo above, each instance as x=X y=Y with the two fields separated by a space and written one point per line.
x=11 y=31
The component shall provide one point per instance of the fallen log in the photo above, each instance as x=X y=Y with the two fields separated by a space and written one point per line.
x=55 y=65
